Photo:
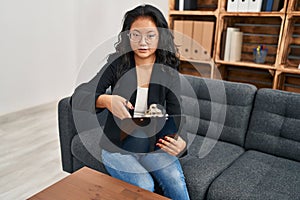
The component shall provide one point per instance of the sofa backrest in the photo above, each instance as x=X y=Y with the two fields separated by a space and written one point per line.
x=275 y=124
x=224 y=108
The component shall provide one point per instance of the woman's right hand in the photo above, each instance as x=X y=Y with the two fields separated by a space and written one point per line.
x=116 y=104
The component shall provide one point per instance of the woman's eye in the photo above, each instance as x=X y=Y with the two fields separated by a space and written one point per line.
x=151 y=36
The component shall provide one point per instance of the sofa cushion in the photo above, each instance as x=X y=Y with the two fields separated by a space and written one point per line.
x=217 y=109
x=275 y=124
x=201 y=166
x=258 y=176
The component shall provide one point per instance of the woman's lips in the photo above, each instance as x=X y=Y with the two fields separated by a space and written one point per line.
x=143 y=49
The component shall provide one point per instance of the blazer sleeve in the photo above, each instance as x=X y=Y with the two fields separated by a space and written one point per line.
x=173 y=98
x=85 y=95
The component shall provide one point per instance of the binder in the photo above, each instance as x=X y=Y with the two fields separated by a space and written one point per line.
x=187 y=39
x=236 y=46
x=275 y=6
x=190 y=4
x=181 y=5
x=185 y=5
x=178 y=34
x=264 y=5
x=223 y=40
x=243 y=5
x=254 y=5
x=232 y=6
x=228 y=42
x=207 y=39
x=203 y=32
x=197 y=40
x=269 y=5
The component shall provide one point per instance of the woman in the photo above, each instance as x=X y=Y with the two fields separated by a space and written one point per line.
x=142 y=72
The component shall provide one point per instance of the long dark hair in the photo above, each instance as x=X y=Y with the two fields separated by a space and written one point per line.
x=166 y=53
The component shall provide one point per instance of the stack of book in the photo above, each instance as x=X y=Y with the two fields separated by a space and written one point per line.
x=254 y=5
x=232 y=44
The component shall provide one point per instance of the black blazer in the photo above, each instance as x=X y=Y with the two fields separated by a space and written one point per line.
x=164 y=89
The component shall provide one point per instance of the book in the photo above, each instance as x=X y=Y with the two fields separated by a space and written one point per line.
x=269 y=5
x=190 y=4
x=181 y=5
x=264 y=5
x=275 y=6
x=223 y=40
x=185 y=5
x=236 y=46
x=228 y=42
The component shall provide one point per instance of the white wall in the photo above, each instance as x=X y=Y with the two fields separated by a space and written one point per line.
x=37 y=52
x=43 y=44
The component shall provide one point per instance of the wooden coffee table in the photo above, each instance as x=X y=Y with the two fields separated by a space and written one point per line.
x=90 y=184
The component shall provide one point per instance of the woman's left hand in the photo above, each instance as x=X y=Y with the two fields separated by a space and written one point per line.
x=171 y=145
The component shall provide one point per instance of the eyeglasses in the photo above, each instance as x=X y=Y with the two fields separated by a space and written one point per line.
x=137 y=37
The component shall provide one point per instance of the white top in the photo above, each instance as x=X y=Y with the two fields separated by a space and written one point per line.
x=140 y=102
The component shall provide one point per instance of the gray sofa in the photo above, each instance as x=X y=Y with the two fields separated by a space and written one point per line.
x=244 y=143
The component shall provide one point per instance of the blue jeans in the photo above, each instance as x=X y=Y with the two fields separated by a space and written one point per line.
x=138 y=169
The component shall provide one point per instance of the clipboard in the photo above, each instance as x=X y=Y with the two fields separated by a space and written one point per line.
x=154 y=127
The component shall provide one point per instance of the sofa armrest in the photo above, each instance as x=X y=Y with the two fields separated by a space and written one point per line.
x=67 y=131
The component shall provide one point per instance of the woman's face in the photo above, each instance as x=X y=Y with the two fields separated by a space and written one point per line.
x=143 y=35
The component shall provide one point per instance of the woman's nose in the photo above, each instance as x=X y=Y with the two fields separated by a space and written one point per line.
x=143 y=39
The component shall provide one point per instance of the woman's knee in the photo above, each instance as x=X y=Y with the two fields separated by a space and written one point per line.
x=144 y=181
